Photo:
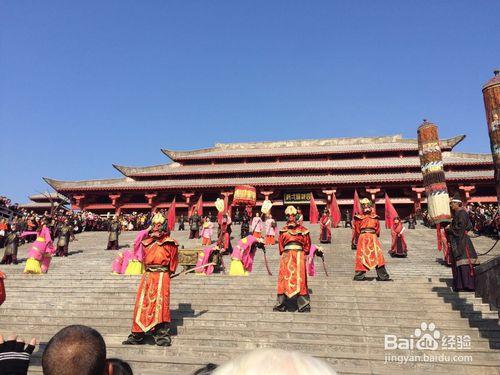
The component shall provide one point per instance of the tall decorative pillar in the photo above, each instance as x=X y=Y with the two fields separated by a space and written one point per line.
x=115 y=202
x=266 y=194
x=491 y=96
x=151 y=201
x=79 y=201
x=187 y=197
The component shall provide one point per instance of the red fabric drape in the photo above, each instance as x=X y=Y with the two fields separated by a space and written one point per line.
x=171 y=216
x=335 y=212
x=356 y=207
x=199 y=205
x=313 y=211
x=390 y=212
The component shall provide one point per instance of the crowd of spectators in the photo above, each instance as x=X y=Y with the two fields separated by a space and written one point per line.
x=79 y=349
x=485 y=219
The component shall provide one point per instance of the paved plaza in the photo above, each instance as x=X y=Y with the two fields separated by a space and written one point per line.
x=218 y=317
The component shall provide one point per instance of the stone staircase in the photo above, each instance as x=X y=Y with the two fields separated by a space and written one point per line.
x=218 y=317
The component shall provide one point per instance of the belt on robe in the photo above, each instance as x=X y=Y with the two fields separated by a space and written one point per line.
x=368 y=230
x=293 y=246
x=157 y=268
x=40 y=239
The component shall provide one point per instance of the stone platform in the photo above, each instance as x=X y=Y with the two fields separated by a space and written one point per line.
x=218 y=317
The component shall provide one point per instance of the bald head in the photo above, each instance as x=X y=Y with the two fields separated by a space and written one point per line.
x=75 y=350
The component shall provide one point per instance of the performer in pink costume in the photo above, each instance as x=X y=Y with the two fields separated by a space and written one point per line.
x=130 y=262
x=117 y=264
x=41 y=251
x=270 y=230
x=243 y=255
x=206 y=232
x=257 y=226
x=315 y=251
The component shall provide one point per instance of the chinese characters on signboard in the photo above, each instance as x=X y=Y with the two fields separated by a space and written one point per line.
x=296 y=198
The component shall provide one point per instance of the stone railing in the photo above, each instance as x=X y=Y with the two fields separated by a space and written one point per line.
x=488 y=282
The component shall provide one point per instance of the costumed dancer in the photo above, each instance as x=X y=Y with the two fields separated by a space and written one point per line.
x=444 y=246
x=294 y=246
x=257 y=226
x=209 y=255
x=369 y=250
x=325 y=223
x=135 y=265
x=117 y=264
x=464 y=256
x=206 y=232
x=243 y=255
x=152 y=307
x=315 y=251
x=11 y=246
x=65 y=235
x=398 y=246
x=114 y=233
x=224 y=237
x=270 y=230
x=41 y=251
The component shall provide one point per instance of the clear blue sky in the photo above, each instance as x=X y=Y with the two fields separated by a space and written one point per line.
x=90 y=83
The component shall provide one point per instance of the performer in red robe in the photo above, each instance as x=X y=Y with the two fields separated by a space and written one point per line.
x=369 y=250
x=152 y=305
x=398 y=246
x=294 y=245
x=325 y=223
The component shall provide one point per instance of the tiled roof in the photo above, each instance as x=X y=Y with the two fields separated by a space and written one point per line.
x=175 y=169
x=321 y=179
x=306 y=147
x=45 y=197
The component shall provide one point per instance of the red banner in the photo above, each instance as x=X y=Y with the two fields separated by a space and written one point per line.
x=199 y=205
x=313 y=211
x=356 y=207
x=390 y=212
x=335 y=212
x=171 y=216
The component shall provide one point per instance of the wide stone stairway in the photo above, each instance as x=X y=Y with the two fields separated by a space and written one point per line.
x=218 y=317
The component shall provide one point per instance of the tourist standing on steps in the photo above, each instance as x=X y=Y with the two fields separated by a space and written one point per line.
x=152 y=306
x=114 y=233
x=369 y=250
x=65 y=236
x=294 y=246
x=463 y=254
x=11 y=246
x=398 y=246
x=194 y=226
x=325 y=223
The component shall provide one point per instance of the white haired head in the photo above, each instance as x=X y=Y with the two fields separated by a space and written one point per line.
x=275 y=362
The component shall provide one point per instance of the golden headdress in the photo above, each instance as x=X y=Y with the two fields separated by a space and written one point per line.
x=291 y=210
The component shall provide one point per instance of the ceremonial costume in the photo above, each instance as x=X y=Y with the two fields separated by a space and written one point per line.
x=257 y=226
x=369 y=250
x=114 y=233
x=326 y=233
x=206 y=233
x=398 y=246
x=152 y=306
x=270 y=231
x=40 y=253
x=224 y=236
x=315 y=251
x=11 y=245
x=444 y=246
x=245 y=225
x=463 y=254
x=243 y=256
x=294 y=246
x=65 y=234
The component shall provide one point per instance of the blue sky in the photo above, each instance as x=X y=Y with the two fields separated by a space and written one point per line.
x=90 y=83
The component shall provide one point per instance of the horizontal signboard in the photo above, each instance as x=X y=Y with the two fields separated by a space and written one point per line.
x=296 y=198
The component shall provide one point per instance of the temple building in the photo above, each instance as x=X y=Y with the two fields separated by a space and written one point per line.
x=286 y=172
x=40 y=203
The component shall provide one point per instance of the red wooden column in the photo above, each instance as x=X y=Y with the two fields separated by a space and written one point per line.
x=115 y=202
x=417 y=200
x=466 y=192
x=187 y=197
x=329 y=194
x=79 y=201
x=151 y=200
x=266 y=194
x=373 y=192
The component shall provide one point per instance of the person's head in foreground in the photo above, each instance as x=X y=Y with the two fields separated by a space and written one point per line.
x=73 y=350
x=275 y=362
